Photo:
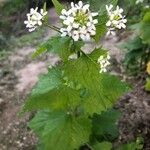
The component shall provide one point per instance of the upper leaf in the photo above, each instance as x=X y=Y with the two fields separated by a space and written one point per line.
x=57 y=45
x=61 y=131
x=58 y=6
x=63 y=47
x=101 y=27
x=100 y=93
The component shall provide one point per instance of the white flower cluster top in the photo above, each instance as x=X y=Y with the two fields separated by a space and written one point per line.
x=34 y=19
x=78 y=22
x=116 y=19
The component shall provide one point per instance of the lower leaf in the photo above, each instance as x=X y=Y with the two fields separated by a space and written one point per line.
x=61 y=131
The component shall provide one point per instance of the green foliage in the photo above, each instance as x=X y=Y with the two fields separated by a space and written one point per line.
x=134 y=12
x=71 y=92
x=58 y=6
x=94 y=91
x=45 y=9
x=105 y=125
x=138 y=145
x=147 y=85
x=9 y=7
x=57 y=45
x=51 y=92
x=12 y=16
x=135 y=55
x=145 y=28
x=97 y=5
x=85 y=71
x=101 y=27
x=61 y=131
x=102 y=146
x=138 y=53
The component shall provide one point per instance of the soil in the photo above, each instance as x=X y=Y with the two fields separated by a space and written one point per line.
x=19 y=73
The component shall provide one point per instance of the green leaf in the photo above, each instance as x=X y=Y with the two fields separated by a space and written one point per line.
x=147 y=85
x=45 y=17
x=138 y=145
x=135 y=52
x=100 y=5
x=41 y=49
x=99 y=94
x=57 y=45
x=61 y=46
x=102 y=146
x=56 y=99
x=132 y=44
x=48 y=81
x=61 y=131
x=51 y=92
x=145 y=28
x=84 y=69
x=58 y=6
x=104 y=125
x=101 y=27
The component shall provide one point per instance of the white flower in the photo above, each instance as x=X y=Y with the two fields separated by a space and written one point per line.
x=139 y=1
x=104 y=62
x=34 y=19
x=116 y=19
x=111 y=31
x=78 y=22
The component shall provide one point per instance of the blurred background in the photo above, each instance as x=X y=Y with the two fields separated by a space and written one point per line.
x=19 y=72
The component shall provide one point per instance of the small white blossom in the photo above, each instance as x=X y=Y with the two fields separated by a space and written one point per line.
x=111 y=31
x=116 y=19
x=34 y=19
x=139 y=1
x=104 y=62
x=78 y=22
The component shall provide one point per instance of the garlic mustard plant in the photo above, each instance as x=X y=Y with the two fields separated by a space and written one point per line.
x=116 y=19
x=79 y=22
x=76 y=95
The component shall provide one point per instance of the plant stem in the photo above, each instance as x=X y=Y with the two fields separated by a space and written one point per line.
x=78 y=54
x=53 y=27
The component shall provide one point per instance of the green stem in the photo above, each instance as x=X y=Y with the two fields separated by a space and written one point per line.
x=78 y=54
x=89 y=146
x=53 y=27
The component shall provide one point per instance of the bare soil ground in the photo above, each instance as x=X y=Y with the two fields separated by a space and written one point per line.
x=19 y=73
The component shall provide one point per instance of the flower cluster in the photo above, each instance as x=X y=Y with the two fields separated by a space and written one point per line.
x=104 y=62
x=78 y=22
x=116 y=19
x=34 y=19
x=139 y=1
